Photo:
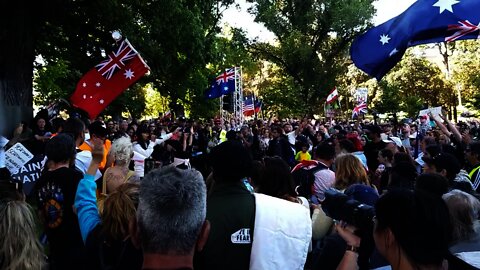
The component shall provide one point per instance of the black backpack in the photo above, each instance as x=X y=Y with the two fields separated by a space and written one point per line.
x=304 y=179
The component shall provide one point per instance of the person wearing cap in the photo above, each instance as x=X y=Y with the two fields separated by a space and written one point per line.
x=97 y=131
x=372 y=147
x=394 y=144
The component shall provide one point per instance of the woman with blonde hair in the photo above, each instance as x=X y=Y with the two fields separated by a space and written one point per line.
x=106 y=235
x=121 y=152
x=19 y=245
x=349 y=171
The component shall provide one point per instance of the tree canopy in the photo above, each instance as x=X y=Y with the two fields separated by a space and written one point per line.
x=312 y=44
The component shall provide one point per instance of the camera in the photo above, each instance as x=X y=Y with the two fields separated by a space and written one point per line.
x=339 y=206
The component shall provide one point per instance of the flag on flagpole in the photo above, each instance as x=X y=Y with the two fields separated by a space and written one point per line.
x=248 y=107
x=107 y=80
x=332 y=109
x=425 y=21
x=258 y=106
x=223 y=84
x=332 y=96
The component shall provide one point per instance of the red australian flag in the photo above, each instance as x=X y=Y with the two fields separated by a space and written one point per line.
x=107 y=80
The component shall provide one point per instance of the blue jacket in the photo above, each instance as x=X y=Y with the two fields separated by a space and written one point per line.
x=86 y=205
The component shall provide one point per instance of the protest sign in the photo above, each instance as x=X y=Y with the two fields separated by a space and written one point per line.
x=16 y=157
x=29 y=173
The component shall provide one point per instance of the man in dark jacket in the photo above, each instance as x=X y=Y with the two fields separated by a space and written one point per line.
x=279 y=146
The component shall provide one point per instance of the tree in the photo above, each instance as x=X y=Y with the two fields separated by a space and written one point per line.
x=466 y=72
x=420 y=82
x=176 y=37
x=312 y=41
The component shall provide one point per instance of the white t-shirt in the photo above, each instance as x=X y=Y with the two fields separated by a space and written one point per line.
x=82 y=161
x=140 y=154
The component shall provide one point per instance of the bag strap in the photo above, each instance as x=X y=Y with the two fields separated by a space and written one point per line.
x=129 y=174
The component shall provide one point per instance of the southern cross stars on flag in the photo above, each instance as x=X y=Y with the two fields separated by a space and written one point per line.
x=426 y=21
x=107 y=80
x=224 y=84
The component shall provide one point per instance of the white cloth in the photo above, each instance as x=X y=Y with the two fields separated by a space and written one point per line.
x=82 y=161
x=472 y=258
x=291 y=137
x=180 y=161
x=140 y=154
x=282 y=234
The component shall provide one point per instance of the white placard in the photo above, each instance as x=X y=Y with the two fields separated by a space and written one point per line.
x=361 y=95
x=435 y=111
x=16 y=157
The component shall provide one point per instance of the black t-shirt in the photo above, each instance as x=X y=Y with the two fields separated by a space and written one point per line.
x=55 y=192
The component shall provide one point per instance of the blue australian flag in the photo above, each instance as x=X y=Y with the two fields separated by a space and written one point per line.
x=426 y=21
x=224 y=84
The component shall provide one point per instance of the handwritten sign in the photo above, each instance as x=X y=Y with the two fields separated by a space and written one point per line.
x=16 y=157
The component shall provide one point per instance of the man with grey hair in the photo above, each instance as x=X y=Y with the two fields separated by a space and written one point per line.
x=171 y=218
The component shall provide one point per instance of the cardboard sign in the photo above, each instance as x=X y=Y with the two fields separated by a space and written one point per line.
x=16 y=157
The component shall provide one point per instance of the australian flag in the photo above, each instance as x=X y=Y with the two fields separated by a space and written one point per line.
x=223 y=84
x=426 y=21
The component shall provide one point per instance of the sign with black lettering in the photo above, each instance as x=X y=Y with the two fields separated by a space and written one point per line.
x=241 y=236
x=30 y=173
x=16 y=157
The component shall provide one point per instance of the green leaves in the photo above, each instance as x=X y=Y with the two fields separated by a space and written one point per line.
x=313 y=39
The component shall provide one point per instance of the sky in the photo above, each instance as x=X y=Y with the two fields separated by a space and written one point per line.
x=239 y=17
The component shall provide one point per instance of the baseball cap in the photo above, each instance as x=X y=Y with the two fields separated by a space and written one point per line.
x=394 y=140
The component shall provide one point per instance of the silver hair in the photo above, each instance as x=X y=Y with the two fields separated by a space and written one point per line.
x=464 y=210
x=19 y=247
x=122 y=150
x=171 y=211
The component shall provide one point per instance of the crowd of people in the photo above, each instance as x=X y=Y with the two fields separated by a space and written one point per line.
x=259 y=194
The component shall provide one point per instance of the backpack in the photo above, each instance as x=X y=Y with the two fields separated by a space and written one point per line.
x=304 y=179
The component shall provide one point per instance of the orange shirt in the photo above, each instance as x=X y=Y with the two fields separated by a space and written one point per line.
x=106 y=148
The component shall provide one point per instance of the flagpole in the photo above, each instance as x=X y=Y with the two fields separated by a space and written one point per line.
x=254 y=111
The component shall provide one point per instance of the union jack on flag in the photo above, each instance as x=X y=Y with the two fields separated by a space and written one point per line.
x=359 y=109
x=226 y=76
x=116 y=60
x=462 y=29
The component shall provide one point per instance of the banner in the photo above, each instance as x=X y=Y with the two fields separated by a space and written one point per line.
x=29 y=173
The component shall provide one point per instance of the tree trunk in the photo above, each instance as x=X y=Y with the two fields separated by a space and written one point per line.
x=16 y=63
